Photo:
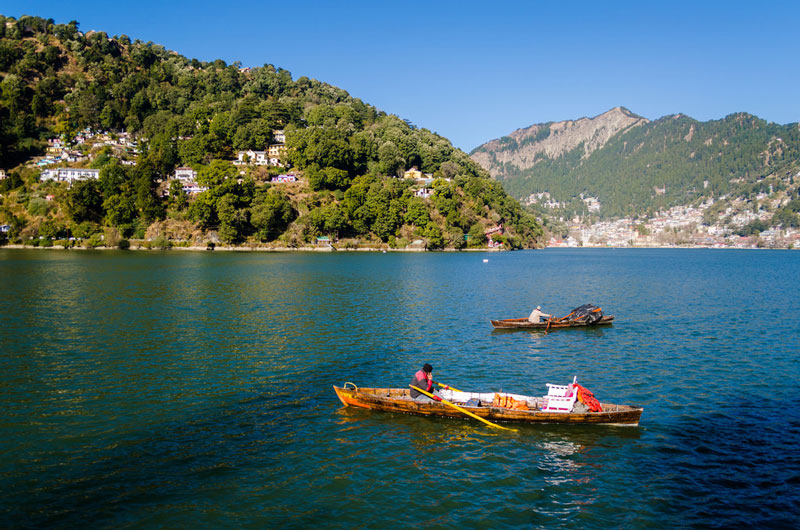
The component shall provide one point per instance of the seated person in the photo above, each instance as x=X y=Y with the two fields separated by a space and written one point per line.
x=424 y=380
x=536 y=315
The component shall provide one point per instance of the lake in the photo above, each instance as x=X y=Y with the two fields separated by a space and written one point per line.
x=194 y=389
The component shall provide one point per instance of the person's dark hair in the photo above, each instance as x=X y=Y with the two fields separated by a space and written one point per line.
x=427 y=368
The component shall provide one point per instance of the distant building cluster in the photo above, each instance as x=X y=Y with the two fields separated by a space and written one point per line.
x=69 y=151
x=592 y=203
x=493 y=232
x=272 y=156
x=188 y=179
x=69 y=174
x=683 y=226
x=544 y=199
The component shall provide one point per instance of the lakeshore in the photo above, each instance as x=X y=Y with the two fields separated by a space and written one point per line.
x=319 y=249
x=218 y=248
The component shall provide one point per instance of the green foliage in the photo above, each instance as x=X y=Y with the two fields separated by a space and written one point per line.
x=752 y=228
x=161 y=243
x=687 y=159
x=177 y=197
x=84 y=230
x=12 y=182
x=786 y=218
x=417 y=213
x=216 y=173
x=233 y=217
x=95 y=240
x=476 y=237
x=329 y=178
x=57 y=81
x=434 y=236
x=271 y=214
x=203 y=210
x=85 y=202
x=38 y=206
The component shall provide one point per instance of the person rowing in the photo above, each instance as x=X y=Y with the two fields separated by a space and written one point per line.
x=424 y=379
x=536 y=315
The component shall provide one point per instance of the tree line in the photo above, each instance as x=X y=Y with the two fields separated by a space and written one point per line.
x=56 y=81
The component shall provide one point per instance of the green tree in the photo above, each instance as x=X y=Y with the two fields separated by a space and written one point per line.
x=120 y=209
x=271 y=214
x=232 y=217
x=177 y=197
x=434 y=236
x=216 y=173
x=328 y=178
x=417 y=213
x=85 y=202
x=390 y=161
x=204 y=211
x=785 y=218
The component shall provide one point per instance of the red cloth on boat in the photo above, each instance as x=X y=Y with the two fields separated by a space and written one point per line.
x=587 y=398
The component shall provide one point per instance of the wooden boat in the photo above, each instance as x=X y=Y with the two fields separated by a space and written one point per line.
x=522 y=323
x=399 y=400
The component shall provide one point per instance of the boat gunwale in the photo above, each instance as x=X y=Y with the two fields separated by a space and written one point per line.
x=368 y=398
x=523 y=323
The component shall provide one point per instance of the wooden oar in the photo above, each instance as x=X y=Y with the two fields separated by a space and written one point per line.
x=447 y=386
x=468 y=413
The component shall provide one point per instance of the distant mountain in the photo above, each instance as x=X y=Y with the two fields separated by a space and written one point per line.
x=634 y=166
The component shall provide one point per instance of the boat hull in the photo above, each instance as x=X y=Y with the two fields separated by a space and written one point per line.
x=399 y=400
x=522 y=323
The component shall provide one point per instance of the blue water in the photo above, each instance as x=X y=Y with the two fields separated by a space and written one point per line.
x=194 y=390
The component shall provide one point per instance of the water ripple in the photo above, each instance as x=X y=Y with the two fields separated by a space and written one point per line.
x=175 y=390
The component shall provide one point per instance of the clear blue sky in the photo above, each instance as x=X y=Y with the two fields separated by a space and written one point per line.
x=474 y=71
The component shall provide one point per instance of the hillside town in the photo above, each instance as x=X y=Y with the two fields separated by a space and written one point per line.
x=685 y=226
x=67 y=161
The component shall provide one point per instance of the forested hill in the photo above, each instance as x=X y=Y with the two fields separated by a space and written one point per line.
x=633 y=166
x=58 y=84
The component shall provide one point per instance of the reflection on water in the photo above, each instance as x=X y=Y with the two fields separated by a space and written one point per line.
x=194 y=389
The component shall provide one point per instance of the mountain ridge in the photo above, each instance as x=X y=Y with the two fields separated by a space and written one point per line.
x=634 y=166
x=556 y=138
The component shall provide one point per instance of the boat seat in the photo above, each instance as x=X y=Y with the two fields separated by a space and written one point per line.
x=561 y=390
x=557 y=390
x=560 y=398
x=559 y=404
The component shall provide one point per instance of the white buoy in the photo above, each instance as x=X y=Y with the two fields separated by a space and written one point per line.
x=486 y=261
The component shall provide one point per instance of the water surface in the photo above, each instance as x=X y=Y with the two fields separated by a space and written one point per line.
x=148 y=389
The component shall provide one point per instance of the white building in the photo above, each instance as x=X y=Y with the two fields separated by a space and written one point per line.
x=592 y=203
x=185 y=173
x=290 y=177
x=258 y=158
x=69 y=174
x=192 y=188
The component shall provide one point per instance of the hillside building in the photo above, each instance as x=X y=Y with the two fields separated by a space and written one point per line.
x=185 y=174
x=68 y=174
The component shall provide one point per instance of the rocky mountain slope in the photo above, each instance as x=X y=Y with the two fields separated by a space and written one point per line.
x=524 y=147
x=620 y=164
